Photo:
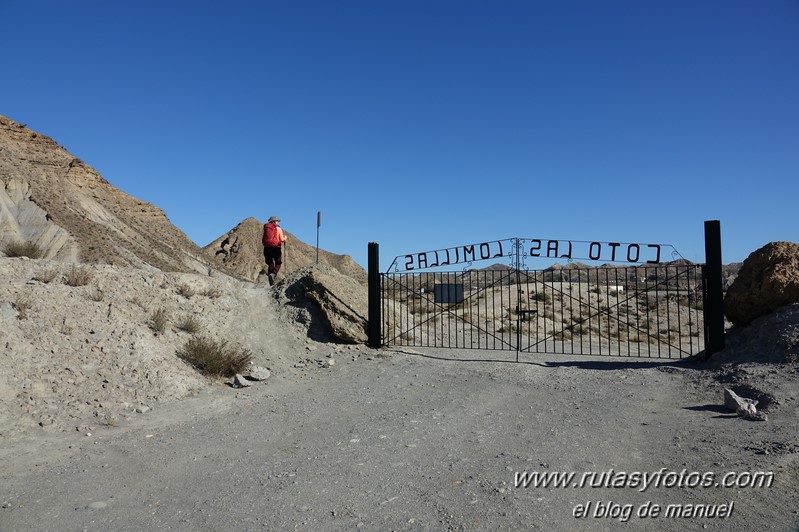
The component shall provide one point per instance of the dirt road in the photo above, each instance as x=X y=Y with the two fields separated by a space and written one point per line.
x=413 y=442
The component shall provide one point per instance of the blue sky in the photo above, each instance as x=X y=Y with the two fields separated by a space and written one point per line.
x=424 y=125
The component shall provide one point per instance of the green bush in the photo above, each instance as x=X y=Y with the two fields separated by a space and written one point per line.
x=215 y=358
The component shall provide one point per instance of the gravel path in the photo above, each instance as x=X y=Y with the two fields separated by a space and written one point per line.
x=408 y=441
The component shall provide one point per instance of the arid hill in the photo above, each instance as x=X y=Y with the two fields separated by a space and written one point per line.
x=54 y=200
x=241 y=252
x=63 y=206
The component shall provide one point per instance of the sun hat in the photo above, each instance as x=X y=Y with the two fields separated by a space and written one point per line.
x=273 y=219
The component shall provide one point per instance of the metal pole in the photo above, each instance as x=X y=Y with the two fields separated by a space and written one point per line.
x=374 y=296
x=518 y=245
x=318 y=224
x=714 y=293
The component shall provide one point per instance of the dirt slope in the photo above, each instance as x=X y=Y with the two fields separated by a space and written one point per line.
x=45 y=190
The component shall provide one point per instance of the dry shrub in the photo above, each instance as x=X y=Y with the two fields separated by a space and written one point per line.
x=541 y=296
x=212 y=292
x=77 y=277
x=215 y=358
x=420 y=308
x=158 y=320
x=22 y=304
x=508 y=327
x=23 y=249
x=185 y=290
x=190 y=324
x=108 y=420
x=46 y=276
x=96 y=294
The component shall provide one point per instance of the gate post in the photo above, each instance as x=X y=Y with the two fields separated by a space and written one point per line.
x=517 y=245
x=714 y=294
x=373 y=328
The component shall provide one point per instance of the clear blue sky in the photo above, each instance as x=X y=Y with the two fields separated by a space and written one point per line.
x=427 y=124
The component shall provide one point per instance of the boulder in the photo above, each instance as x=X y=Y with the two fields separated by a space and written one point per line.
x=735 y=402
x=337 y=303
x=743 y=406
x=768 y=280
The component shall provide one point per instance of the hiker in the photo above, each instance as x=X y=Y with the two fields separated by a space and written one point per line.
x=272 y=240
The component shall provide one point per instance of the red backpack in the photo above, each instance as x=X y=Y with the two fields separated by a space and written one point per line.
x=271 y=238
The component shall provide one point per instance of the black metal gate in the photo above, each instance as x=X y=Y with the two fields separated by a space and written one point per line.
x=653 y=310
x=629 y=311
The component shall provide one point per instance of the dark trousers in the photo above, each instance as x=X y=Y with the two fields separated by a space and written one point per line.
x=274 y=259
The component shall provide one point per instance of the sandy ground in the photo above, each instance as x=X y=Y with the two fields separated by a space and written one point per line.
x=419 y=440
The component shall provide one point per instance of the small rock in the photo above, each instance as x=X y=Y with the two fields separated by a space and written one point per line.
x=240 y=382
x=745 y=408
x=757 y=416
x=142 y=409
x=258 y=373
x=733 y=401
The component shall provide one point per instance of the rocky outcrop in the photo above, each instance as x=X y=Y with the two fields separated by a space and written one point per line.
x=21 y=220
x=768 y=280
x=240 y=251
x=335 y=305
x=56 y=200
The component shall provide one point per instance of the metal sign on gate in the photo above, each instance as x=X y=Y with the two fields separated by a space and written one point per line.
x=517 y=249
x=641 y=308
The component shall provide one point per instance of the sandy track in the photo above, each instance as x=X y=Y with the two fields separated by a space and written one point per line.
x=411 y=442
